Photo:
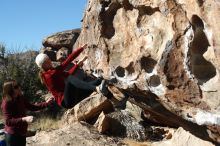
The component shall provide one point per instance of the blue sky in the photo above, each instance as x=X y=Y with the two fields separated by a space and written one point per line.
x=24 y=23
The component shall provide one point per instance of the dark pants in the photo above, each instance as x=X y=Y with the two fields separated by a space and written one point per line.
x=76 y=90
x=15 y=140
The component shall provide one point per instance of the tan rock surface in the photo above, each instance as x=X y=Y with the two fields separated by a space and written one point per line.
x=103 y=123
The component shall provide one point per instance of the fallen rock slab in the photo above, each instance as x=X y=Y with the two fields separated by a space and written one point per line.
x=91 y=107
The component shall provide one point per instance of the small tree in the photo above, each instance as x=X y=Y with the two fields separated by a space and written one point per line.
x=21 y=67
x=3 y=64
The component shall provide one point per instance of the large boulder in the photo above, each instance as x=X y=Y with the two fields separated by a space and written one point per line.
x=166 y=48
x=62 y=39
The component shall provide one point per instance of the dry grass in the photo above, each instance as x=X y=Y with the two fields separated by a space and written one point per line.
x=45 y=123
x=130 y=142
x=1 y=116
x=41 y=123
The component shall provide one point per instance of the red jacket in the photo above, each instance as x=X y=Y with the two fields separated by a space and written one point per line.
x=54 y=79
x=14 y=110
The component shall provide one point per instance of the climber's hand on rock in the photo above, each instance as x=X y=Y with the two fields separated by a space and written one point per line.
x=84 y=46
x=82 y=61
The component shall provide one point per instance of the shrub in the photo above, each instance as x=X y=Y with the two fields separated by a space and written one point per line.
x=21 y=67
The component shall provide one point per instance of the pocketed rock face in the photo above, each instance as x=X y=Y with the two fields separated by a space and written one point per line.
x=167 y=47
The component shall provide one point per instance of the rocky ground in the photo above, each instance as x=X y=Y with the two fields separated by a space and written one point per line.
x=76 y=134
